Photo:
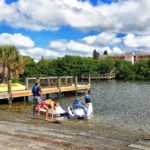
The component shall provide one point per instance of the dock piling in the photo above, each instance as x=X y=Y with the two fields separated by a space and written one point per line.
x=89 y=79
x=26 y=82
x=9 y=91
x=76 y=84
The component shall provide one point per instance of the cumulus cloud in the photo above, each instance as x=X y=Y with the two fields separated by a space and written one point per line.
x=103 y=39
x=137 y=42
x=38 y=52
x=117 y=50
x=17 y=39
x=86 y=45
x=122 y=16
x=26 y=46
x=66 y=47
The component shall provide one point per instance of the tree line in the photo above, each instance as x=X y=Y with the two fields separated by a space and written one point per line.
x=78 y=66
x=18 y=67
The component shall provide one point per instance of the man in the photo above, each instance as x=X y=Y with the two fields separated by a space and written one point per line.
x=37 y=93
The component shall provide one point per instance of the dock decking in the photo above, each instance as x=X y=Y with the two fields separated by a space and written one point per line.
x=52 y=85
x=51 y=90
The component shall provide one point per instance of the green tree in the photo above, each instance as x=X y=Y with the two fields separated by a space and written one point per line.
x=105 y=52
x=95 y=54
x=31 y=68
x=11 y=62
x=142 y=69
x=105 y=66
x=125 y=70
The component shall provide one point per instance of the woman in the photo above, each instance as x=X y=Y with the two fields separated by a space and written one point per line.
x=45 y=104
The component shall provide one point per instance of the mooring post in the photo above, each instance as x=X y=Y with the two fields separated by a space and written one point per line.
x=9 y=90
x=89 y=79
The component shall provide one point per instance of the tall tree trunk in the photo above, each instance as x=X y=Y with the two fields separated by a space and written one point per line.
x=4 y=74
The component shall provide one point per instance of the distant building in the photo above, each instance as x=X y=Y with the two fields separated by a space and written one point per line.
x=131 y=57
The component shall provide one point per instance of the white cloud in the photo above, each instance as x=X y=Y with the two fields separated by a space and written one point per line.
x=69 y=47
x=17 y=39
x=37 y=53
x=103 y=39
x=116 y=50
x=123 y=16
x=137 y=42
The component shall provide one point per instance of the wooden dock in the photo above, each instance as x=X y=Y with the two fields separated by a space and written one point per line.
x=48 y=85
x=107 y=76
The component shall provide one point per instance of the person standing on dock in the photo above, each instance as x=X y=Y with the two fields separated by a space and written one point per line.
x=37 y=97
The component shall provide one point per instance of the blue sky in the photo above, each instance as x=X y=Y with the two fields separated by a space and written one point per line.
x=75 y=27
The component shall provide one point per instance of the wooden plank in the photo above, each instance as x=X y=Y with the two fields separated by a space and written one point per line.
x=84 y=87
x=50 y=90
x=4 y=95
x=65 y=89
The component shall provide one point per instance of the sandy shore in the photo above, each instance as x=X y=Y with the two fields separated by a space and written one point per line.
x=27 y=132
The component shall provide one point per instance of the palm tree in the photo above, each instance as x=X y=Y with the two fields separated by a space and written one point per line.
x=10 y=61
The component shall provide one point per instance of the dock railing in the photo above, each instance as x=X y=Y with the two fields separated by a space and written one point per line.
x=48 y=85
x=106 y=76
x=50 y=81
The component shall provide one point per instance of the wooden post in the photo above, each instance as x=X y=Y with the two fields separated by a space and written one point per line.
x=25 y=99
x=58 y=86
x=66 y=81
x=71 y=81
x=82 y=78
x=48 y=81
x=58 y=83
x=38 y=80
x=27 y=84
x=89 y=79
x=76 y=84
x=9 y=91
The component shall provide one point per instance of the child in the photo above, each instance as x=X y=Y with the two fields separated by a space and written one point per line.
x=88 y=102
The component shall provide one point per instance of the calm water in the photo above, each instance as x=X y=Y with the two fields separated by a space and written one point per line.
x=116 y=104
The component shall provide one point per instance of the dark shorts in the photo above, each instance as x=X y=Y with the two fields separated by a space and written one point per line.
x=37 y=100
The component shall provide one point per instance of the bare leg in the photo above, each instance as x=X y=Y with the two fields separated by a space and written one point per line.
x=38 y=106
x=46 y=116
x=34 y=107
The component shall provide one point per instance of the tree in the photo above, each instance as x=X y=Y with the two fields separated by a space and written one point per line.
x=95 y=54
x=31 y=68
x=11 y=62
x=105 y=52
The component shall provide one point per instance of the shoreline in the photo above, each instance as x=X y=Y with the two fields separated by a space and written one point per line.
x=26 y=132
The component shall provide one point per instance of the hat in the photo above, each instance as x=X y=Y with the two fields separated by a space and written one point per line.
x=77 y=99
